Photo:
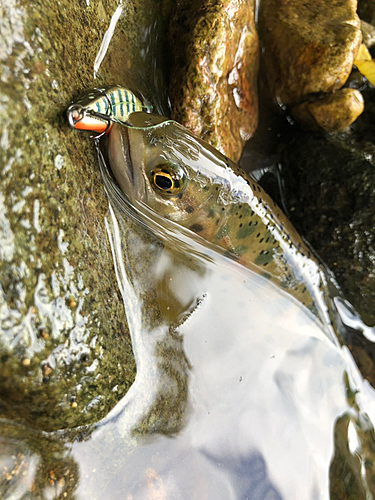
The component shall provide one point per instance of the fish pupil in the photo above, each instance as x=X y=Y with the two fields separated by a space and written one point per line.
x=163 y=182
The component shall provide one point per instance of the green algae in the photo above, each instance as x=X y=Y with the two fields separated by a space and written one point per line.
x=65 y=350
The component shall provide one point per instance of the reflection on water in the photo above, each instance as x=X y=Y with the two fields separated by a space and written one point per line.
x=239 y=393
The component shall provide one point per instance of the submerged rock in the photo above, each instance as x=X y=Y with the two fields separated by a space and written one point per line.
x=65 y=352
x=308 y=46
x=332 y=112
x=213 y=81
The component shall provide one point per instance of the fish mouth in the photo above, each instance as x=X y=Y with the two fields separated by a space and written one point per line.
x=119 y=153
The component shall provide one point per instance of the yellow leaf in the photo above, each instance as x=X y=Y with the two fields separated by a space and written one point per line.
x=363 y=54
x=367 y=68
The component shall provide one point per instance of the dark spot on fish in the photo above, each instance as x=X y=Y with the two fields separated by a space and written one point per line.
x=259 y=189
x=258 y=235
x=256 y=223
x=250 y=223
x=298 y=246
x=304 y=289
x=271 y=215
x=268 y=239
x=281 y=225
x=206 y=188
x=240 y=217
x=254 y=186
x=260 y=200
x=244 y=231
x=261 y=240
x=197 y=228
x=189 y=209
x=223 y=209
x=217 y=221
x=308 y=255
x=252 y=213
x=240 y=225
x=217 y=188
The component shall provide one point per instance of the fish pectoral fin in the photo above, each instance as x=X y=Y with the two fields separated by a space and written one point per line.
x=197 y=304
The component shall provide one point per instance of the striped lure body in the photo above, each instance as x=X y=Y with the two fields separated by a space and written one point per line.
x=97 y=109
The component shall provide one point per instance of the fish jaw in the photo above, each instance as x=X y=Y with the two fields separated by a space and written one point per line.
x=120 y=159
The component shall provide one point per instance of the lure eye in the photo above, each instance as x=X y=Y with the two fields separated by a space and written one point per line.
x=75 y=114
x=168 y=180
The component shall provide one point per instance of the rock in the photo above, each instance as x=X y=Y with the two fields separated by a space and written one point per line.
x=308 y=46
x=332 y=112
x=330 y=195
x=213 y=81
x=366 y=11
x=65 y=352
x=368 y=34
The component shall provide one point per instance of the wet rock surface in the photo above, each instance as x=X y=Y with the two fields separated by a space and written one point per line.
x=65 y=351
x=213 y=80
x=330 y=195
x=332 y=112
x=309 y=47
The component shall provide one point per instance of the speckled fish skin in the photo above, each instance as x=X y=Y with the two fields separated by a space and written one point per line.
x=219 y=202
x=113 y=101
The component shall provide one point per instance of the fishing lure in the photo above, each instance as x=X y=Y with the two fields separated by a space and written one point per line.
x=97 y=109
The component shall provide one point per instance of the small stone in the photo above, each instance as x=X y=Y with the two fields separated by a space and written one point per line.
x=61 y=482
x=46 y=370
x=72 y=302
x=26 y=362
x=44 y=334
x=331 y=113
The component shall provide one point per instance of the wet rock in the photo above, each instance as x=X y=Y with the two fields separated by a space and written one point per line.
x=366 y=11
x=332 y=112
x=65 y=352
x=330 y=195
x=309 y=46
x=368 y=34
x=213 y=81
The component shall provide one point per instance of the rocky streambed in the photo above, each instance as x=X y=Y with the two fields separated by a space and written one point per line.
x=65 y=352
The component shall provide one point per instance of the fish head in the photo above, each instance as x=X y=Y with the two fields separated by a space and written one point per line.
x=159 y=164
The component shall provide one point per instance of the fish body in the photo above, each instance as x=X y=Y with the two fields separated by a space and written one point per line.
x=169 y=173
x=97 y=108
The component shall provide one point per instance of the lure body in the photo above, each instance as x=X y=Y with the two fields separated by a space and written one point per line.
x=97 y=109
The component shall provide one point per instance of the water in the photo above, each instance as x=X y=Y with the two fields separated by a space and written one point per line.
x=239 y=391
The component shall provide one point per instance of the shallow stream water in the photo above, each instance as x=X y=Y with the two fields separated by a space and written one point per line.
x=239 y=392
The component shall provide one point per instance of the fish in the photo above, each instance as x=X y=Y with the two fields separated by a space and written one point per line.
x=231 y=360
x=96 y=109
x=168 y=173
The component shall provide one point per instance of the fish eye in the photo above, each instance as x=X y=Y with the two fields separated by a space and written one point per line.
x=168 y=180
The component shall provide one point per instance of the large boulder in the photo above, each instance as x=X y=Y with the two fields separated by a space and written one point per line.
x=213 y=79
x=65 y=352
